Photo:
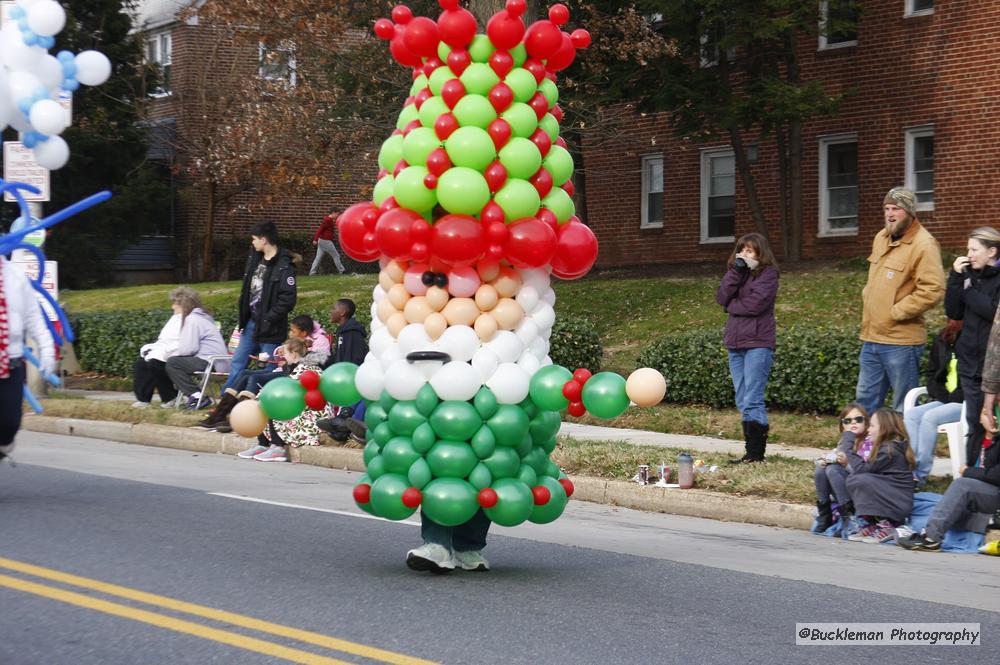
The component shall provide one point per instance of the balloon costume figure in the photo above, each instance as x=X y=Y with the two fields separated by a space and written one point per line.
x=472 y=216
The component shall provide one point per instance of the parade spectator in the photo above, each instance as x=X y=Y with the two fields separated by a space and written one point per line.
x=748 y=292
x=150 y=371
x=323 y=241
x=830 y=476
x=200 y=339
x=352 y=347
x=905 y=280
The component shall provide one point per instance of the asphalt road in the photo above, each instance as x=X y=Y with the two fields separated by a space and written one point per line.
x=111 y=553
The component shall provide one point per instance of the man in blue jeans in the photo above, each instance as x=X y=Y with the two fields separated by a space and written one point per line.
x=905 y=279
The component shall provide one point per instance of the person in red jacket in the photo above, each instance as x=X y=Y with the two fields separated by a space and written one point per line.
x=323 y=241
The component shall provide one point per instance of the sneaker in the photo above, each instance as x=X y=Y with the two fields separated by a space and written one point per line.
x=431 y=557
x=169 y=404
x=250 y=453
x=471 y=560
x=272 y=454
x=139 y=405
x=884 y=532
x=863 y=532
x=224 y=428
x=198 y=403
x=358 y=430
x=919 y=542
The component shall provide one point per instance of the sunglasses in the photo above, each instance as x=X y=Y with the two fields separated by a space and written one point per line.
x=855 y=419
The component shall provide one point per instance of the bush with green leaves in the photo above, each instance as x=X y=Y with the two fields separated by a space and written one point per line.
x=575 y=343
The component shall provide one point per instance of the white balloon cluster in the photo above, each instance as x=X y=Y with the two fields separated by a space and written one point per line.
x=31 y=79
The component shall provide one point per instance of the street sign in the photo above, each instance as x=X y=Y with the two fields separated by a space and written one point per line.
x=50 y=281
x=65 y=100
x=19 y=165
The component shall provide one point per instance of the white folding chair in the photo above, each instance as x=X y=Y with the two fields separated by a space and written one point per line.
x=956 y=431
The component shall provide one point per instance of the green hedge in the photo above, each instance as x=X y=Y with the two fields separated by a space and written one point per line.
x=575 y=343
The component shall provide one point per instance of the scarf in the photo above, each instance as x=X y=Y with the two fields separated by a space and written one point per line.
x=4 y=330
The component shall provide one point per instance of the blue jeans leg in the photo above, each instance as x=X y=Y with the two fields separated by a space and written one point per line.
x=752 y=367
x=922 y=423
x=885 y=366
x=241 y=357
x=873 y=382
x=736 y=370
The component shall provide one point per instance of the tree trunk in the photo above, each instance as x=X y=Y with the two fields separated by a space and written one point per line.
x=749 y=186
x=206 y=249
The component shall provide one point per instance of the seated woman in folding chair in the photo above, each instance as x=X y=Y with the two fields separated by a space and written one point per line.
x=200 y=340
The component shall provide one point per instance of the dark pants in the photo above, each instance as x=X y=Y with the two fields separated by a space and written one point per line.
x=11 y=397
x=964 y=497
x=275 y=439
x=181 y=371
x=468 y=537
x=254 y=379
x=831 y=480
x=973 y=394
x=150 y=375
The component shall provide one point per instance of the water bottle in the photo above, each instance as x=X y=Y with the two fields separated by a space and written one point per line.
x=685 y=471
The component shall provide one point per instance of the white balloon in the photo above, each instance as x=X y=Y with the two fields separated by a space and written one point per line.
x=535 y=278
x=6 y=104
x=380 y=341
x=546 y=361
x=549 y=296
x=459 y=342
x=92 y=67
x=48 y=117
x=46 y=18
x=509 y=384
x=544 y=316
x=49 y=72
x=529 y=362
x=414 y=338
x=403 y=380
x=527 y=298
x=527 y=331
x=456 y=380
x=506 y=345
x=369 y=380
x=485 y=362
x=539 y=347
x=390 y=355
x=23 y=84
x=378 y=293
x=52 y=154
x=15 y=53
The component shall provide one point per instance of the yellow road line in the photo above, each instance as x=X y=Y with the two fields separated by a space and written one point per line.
x=231 y=618
x=170 y=623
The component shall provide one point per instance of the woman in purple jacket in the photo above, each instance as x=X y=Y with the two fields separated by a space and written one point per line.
x=748 y=292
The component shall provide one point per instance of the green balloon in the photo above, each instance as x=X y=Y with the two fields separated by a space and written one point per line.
x=443 y=51
x=431 y=110
x=485 y=402
x=527 y=475
x=427 y=400
x=419 y=143
x=525 y=446
x=337 y=384
x=522 y=83
x=391 y=152
x=449 y=501
x=419 y=474
x=522 y=120
x=455 y=420
x=399 y=454
x=424 y=438
x=518 y=198
x=503 y=463
x=519 y=53
x=509 y=425
x=410 y=191
x=479 y=79
x=383 y=189
x=282 y=399
x=386 y=401
x=550 y=91
x=548 y=512
x=552 y=469
x=521 y=158
x=462 y=190
x=480 y=478
x=544 y=426
x=451 y=459
x=387 y=493
x=367 y=507
x=471 y=147
x=548 y=445
x=374 y=415
x=529 y=407
x=561 y=204
x=371 y=450
x=405 y=418
x=514 y=502
x=408 y=115
x=381 y=434
x=559 y=164
x=474 y=111
x=481 y=49
x=546 y=387
x=536 y=459
x=376 y=467
x=483 y=442
x=550 y=126
x=419 y=84
x=604 y=395
x=438 y=78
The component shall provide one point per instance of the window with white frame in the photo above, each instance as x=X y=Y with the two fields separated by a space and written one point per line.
x=652 y=192
x=718 y=195
x=277 y=63
x=158 y=54
x=710 y=50
x=919 y=7
x=838 y=185
x=844 y=20
x=920 y=165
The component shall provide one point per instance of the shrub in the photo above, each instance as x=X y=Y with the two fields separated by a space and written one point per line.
x=575 y=343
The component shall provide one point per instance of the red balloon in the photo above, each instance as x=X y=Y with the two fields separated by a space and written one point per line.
x=452 y=91
x=567 y=485
x=448 y=4
x=564 y=55
x=492 y=212
x=422 y=97
x=411 y=497
x=384 y=29
x=497 y=233
x=381 y=174
x=517 y=7
x=572 y=390
x=400 y=165
x=458 y=60
x=541 y=141
x=392 y=233
x=501 y=97
x=410 y=126
x=536 y=68
x=542 y=182
x=531 y=243
x=576 y=409
x=309 y=380
x=576 y=251
x=557 y=113
x=315 y=400
x=549 y=218
x=432 y=64
x=421 y=36
x=561 y=142
x=582 y=375
x=420 y=230
x=362 y=493
x=487 y=497
x=402 y=54
x=505 y=30
x=501 y=62
x=401 y=14
x=430 y=181
x=388 y=204
x=370 y=217
x=494 y=253
x=542 y=39
x=457 y=27
x=457 y=240
x=438 y=161
x=500 y=131
x=496 y=176
x=419 y=252
x=539 y=105
x=445 y=125
x=569 y=187
x=581 y=38
x=558 y=14
x=541 y=494
x=351 y=230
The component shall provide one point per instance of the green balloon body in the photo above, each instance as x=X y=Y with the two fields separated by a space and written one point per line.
x=381 y=434
x=509 y=425
x=548 y=512
x=527 y=475
x=604 y=395
x=536 y=459
x=522 y=84
x=391 y=152
x=410 y=190
x=559 y=164
x=371 y=450
x=522 y=120
x=462 y=190
x=544 y=426
x=471 y=147
x=552 y=469
x=427 y=400
x=503 y=463
x=514 y=502
x=431 y=110
x=480 y=478
x=550 y=126
x=443 y=51
x=387 y=493
x=479 y=78
x=485 y=402
x=375 y=414
x=549 y=445
x=481 y=49
x=383 y=189
x=419 y=84
x=424 y=438
x=376 y=468
x=550 y=91
x=405 y=418
x=449 y=501
x=455 y=420
x=521 y=158
x=519 y=53
x=519 y=199
x=399 y=454
x=419 y=143
x=282 y=399
x=408 y=115
x=367 y=507
x=438 y=78
x=546 y=387
x=525 y=446
x=561 y=204
x=451 y=459
x=474 y=111
x=484 y=442
x=419 y=474
x=386 y=401
x=337 y=384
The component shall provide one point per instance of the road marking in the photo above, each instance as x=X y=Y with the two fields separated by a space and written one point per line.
x=223 y=616
x=345 y=513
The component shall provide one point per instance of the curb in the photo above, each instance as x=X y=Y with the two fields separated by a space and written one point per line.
x=691 y=503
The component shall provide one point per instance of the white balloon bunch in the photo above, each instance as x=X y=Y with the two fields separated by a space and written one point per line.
x=31 y=79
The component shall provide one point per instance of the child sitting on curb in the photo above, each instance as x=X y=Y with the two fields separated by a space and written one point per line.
x=830 y=476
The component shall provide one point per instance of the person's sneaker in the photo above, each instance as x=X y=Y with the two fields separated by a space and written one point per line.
x=919 y=542
x=272 y=454
x=884 y=532
x=431 y=557
x=358 y=430
x=169 y=404
x=903 y=531
x=196 y=404
x=139 y=404
x=250 y=453
x=863 y=532
x=471 y=560
x=224 y=428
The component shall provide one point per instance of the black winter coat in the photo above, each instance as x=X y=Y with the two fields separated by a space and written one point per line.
x=277 y=298
x=937 y=370
x=990 y=471
x=351 y=344
x=975 y=307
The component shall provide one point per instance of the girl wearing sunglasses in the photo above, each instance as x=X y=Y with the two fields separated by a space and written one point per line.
x=831 y=475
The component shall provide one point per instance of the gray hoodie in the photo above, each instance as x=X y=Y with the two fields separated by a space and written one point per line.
x=200 y=336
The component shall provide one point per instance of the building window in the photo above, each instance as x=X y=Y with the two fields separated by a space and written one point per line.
x=710 y=49
x=919 y=7
x=843 y=21
x=920 y=165
x=718 y=195
x=838 y=185
x=158 y=54
x=278 y=63
x=652 y=192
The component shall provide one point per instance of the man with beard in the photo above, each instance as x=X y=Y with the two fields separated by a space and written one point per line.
x=905 y=279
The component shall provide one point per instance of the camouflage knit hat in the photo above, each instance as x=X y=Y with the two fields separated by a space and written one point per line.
x=904 y=198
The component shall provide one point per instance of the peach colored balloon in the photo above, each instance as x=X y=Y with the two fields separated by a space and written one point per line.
x=384 y=310
x=416 y=309
x=435 y=325
x=486 y=326
x=396 y=323
x=437 y=298
x=646 y=387
x=395 y=270
x=507 y=283
x=507 y=313
x=398 y=296
x=486 y=297
x=461 y=311
x=248 y=419
x=385 y=281
x=488 y=271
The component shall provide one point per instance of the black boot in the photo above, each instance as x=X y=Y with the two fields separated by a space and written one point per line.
x=218 y=415
x=824 y=516
x=846 y=510
x=756 y=440
x=746 y=444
